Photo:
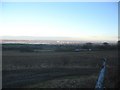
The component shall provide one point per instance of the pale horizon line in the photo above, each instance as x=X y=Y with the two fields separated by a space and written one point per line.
x=52 y=38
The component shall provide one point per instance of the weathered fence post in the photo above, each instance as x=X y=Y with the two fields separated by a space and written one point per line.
x=100 y=81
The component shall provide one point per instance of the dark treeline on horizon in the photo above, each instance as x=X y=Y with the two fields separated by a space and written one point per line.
x=60 y=47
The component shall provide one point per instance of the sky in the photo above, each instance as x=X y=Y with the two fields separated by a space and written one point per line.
x=78 y=20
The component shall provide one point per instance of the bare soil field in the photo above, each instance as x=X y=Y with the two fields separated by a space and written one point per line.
x=57 y=69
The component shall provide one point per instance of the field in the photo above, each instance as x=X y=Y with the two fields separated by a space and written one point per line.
x=50 y=69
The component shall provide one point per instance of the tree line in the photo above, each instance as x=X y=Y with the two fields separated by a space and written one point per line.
x=60 y=47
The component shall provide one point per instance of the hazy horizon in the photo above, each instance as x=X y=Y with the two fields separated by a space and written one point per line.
x=70 y=39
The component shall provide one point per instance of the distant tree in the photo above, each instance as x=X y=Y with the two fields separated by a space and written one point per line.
x=106 y=44
x=109 y=46
x=88 y=45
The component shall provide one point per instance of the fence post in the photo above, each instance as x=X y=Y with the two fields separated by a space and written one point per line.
x=100 y=81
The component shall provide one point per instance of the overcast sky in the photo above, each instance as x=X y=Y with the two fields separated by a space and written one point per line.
x=83 y=21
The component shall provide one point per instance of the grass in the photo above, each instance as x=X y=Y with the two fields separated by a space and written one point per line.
x=69 y=82
x=60 y=67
